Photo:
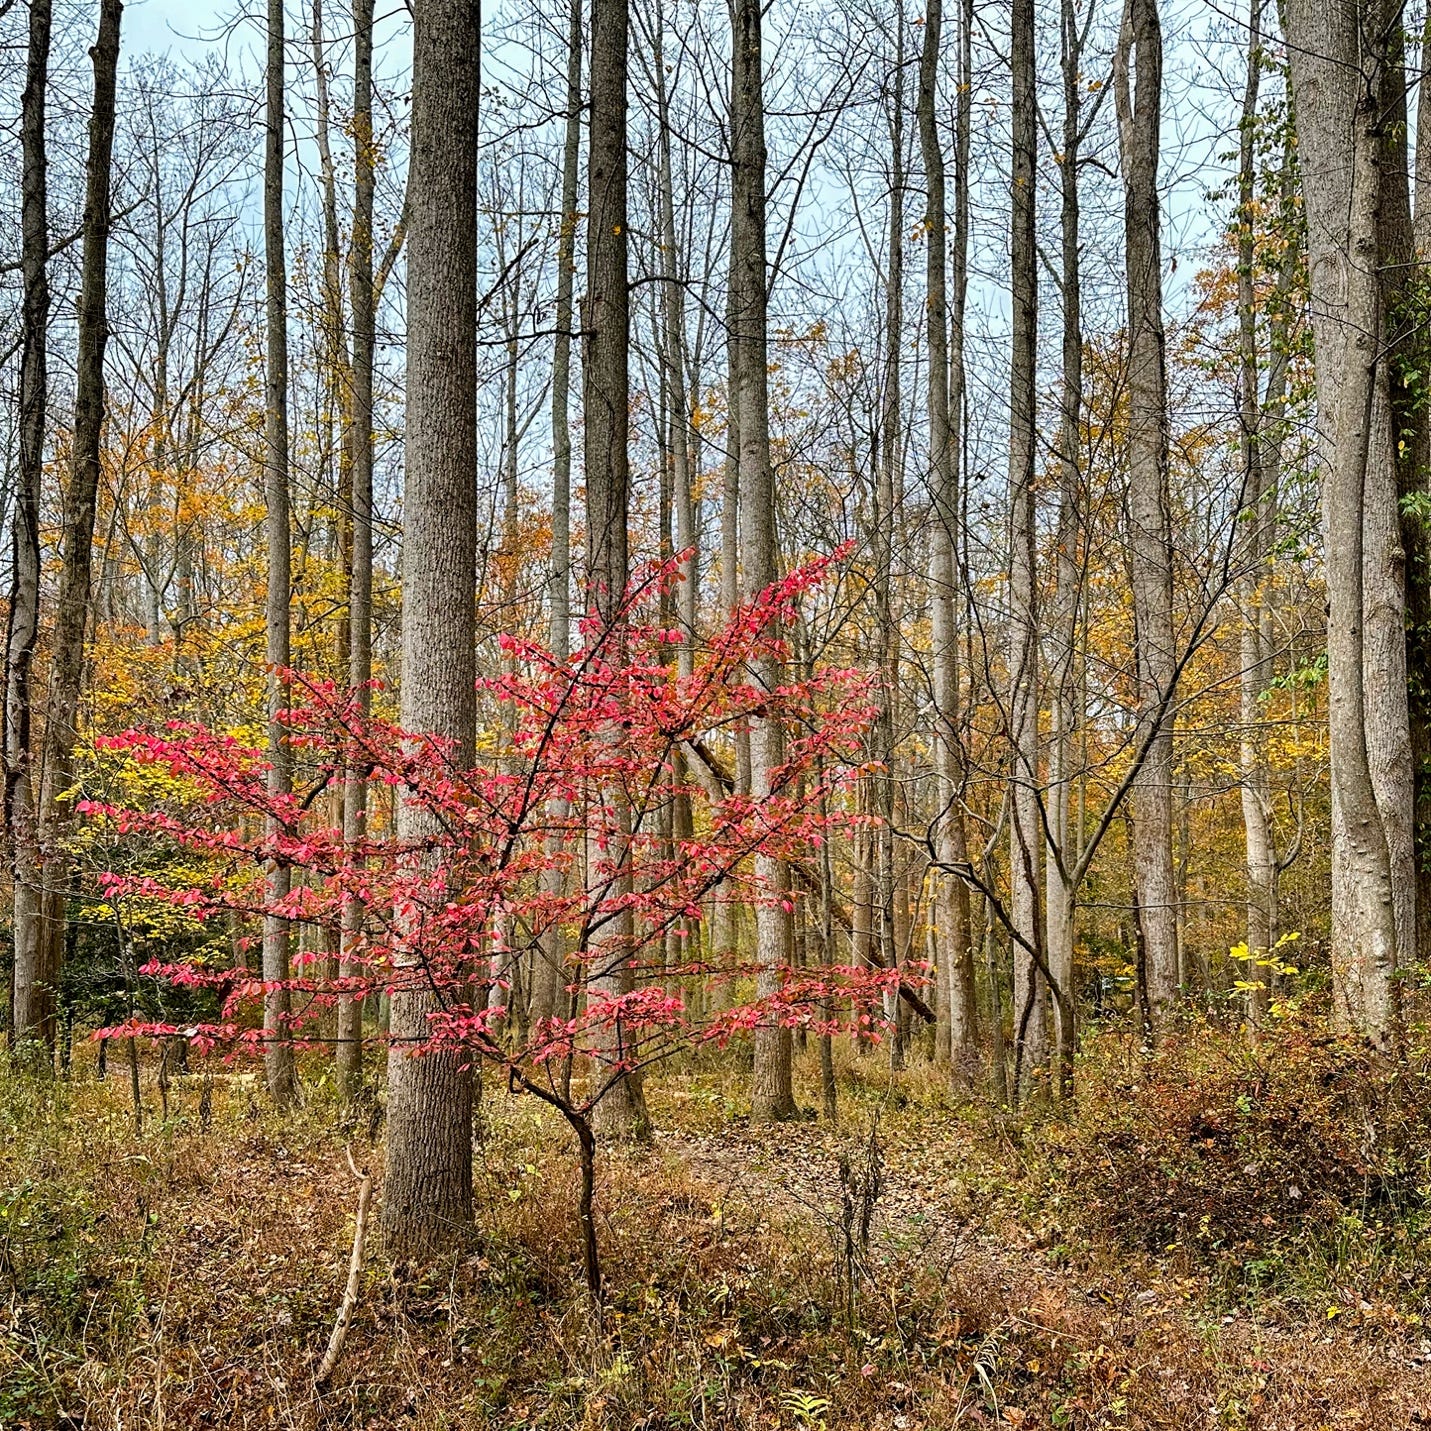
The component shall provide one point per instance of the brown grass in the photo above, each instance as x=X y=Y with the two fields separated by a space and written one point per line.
x=188 y=1278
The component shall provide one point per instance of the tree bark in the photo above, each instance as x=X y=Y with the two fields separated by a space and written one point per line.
x=32 y=990
x=1256 y=554
x=278 y=1048
x=958 y=1031
x=71 y=616
x=887 y=486
x=1337 y=53
x=772 y=1094
x=1138 y=78
x=1026 y=837
x=606 y=386
x=360 y=571
x=548 y=994
x=427 y=1194
x=1062 y=856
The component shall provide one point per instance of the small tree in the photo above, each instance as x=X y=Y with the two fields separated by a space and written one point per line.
x=467 y=910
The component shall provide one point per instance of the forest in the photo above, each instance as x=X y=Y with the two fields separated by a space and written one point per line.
x=716 y=715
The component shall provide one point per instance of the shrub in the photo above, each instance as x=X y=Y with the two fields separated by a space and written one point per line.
x=1243 y=1155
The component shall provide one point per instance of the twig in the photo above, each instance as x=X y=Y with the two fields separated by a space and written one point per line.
x=355 y=1272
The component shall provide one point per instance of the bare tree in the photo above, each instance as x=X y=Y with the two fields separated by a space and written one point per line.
x=606 y=379
x=278 y=1048
x=349 y=1057
x=82 y=492
x=1025 y=825
x=955 y=954
x=773 y=1096
x=1138 y=82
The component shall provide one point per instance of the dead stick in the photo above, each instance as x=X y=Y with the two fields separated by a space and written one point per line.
x=355 y=1272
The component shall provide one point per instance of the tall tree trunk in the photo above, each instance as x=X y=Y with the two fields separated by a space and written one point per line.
x=1061 y=892
x=1138 y=83
x=67 y=647
x=32 y=991
x=427 y=1195
x=1397 y=553
x=606 y=390
x=1418 y=533
x=360 y=571
x=548 y=995
x=278 y=1047
x=772 y=1095
x=955 y=952
x=888 y=482
x=1337 y=54
x=1257 y=551
x=1030 y=1010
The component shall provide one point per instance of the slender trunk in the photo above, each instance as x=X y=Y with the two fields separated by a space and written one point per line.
x=954 y=956
x=360 y=571
x=32 y=992
x=1256 y=797
x=1398 y=550
x=548 y=995
x=1061 y=892
x=888 y=481
x=773 y=1096
x=427 y=1193
x=67 y=647
x=1138 y=80
x=278 y=1048
x=606 y=379
x=1025 y=826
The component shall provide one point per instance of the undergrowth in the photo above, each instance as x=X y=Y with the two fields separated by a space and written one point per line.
x=924 y=1266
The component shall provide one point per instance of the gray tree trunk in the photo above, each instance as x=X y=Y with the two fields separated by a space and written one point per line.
x=32 y=989
x=1138 y=79
x=72 y=610
x=360 y=571
x=1026 y=835
x=278 y=1048
x=606 y=390
x=549 y=995
x=1337 y=54
x=1257 y=497
x=772 y=1095
x=957 y=1034
x=427 y=1194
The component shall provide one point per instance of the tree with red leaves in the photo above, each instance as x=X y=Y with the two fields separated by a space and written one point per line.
x=463 y=911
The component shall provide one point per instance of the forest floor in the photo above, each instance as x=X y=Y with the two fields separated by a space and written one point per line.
x=918 y=1267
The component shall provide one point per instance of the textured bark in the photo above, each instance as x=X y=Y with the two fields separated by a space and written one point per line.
x=360 y=571
x=1257 y=498
x=1138 y=77
x=1062 y=854
x=427 y=1193
x=889 y=481
x=1026 y=837
x=32 y=991
x=1337 y=56
x=72 y=609
x=549 y=983
x=1417 y=531
x=1399 y=728
x=278 y=1050
x=683 y=937
x=606 y=390
x=772 y=1096
x=957 y=1035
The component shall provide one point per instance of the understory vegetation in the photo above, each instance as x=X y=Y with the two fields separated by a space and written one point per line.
x=1214 y=1234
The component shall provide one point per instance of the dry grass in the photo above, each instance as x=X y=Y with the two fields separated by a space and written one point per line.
x=188 y=1278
